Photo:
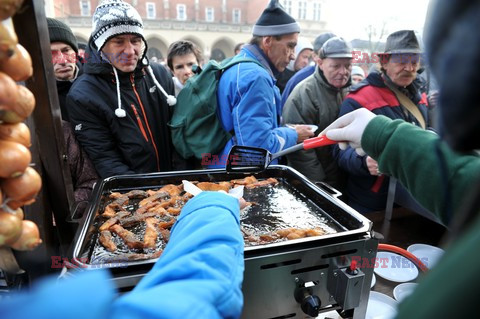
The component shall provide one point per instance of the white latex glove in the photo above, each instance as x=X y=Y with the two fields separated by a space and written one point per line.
x=348 y=129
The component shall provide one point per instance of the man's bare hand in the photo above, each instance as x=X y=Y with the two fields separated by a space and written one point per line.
x=303 y=132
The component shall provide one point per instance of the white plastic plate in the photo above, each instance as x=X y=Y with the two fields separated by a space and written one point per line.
x=404 y=290
x=395 y=267
x=381 y=306
x=429 y=255
x=312 y=127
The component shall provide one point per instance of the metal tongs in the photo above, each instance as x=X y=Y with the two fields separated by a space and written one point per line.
x=255 y=159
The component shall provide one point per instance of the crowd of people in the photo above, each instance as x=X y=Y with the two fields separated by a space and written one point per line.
x=116 y=105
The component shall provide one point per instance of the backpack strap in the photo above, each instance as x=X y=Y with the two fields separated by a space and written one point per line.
x=408 y=104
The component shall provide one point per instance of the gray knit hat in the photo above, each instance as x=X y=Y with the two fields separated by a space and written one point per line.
x=275 y=21
x=60 y=32
x=112 y=18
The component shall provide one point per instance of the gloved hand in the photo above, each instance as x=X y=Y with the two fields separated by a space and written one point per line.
x=348 y=129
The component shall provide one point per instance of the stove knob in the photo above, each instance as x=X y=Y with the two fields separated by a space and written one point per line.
x=311 y=305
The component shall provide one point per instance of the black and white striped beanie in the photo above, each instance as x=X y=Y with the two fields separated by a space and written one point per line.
x=112 y=18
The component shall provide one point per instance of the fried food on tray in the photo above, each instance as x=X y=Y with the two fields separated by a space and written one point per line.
x=156 y=197
x=113 y=220
x=158 y=210
x=151 y=234
x=295 y=233
x=135 y=219
x=174 y=211
x=128 y=237
x=172 y=190
x=221 y=186
x=270 y=181
x=244 y=181
x=106 y=241
x=165 y=234
x=114 y=207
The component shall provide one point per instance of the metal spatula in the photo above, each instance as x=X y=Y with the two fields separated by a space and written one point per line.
x=255 y=159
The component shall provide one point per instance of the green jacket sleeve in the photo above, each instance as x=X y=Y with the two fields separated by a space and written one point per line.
x=435 y=175
x=428 y=167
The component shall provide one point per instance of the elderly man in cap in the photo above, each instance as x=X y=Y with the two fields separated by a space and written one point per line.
x=308 y=70
x=249 y=101
x=67 y=68
x=392 y=93
x=121 y=105
x=317 y=100
x=66 y=64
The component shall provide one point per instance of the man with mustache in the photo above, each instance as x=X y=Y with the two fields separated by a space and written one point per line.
x=390 y=92
x=317 y=100
x=67 y=68
x=66 y=64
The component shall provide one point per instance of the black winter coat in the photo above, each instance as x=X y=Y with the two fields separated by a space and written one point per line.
x=137 y=143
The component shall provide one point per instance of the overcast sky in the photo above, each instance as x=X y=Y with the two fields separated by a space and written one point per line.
x=351 y=18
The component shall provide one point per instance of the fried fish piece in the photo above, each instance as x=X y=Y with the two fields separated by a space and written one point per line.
x=135 y=219
x=172 y=190
x=221 y=186
x=113 y=220
x=157 y=197
x=244 y=181
x=106 y=241
x=151 y=234
x=270 y=181
x=128 y=237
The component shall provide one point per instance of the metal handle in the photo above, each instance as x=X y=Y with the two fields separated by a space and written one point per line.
x=329 y=189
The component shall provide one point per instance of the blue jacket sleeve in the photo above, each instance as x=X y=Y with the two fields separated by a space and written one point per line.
x=200 y=273
x=87 y=295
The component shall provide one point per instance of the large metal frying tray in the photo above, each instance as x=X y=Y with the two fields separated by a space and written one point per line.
x=339 y=216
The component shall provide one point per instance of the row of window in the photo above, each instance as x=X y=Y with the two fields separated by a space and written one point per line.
x=297 y=9
x=303 y=10
x=181 y=12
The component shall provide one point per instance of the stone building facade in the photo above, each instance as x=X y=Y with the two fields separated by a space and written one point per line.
x=216 y=26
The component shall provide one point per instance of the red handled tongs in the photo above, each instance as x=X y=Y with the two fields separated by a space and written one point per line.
x=256 y=159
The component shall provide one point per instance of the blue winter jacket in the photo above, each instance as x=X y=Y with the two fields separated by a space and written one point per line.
x=366 y=192
x=250 y=106
x=199 y=275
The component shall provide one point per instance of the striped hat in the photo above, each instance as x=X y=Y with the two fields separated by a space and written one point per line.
x=112 y=18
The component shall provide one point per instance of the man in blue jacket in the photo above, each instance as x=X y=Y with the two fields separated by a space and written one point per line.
x=249 y=102
x=199 y=275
